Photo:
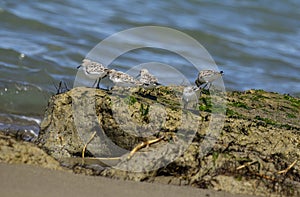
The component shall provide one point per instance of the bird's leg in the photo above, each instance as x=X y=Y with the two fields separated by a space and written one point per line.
x=209 y=85
x=200 y=92
x=137 y=76
x=98 y=84
x=205 y=85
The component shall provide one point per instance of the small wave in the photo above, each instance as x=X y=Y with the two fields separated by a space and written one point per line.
x=22 y=98
x=26 y=127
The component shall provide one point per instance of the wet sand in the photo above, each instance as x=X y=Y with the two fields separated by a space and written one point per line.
x=27 y=180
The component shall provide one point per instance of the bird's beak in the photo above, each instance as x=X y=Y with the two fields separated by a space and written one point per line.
x=78 y=66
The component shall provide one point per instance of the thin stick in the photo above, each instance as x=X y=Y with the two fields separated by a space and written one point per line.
x=288 y=168
x=245 y=165
x=144 y=144
x=84 y=147
x=103 y=158
x=266 y=177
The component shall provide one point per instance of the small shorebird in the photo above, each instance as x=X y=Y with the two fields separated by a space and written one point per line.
x=94 y=70
x=207 y=77
x=189 y=94
x=147 y=79
x=122 y=79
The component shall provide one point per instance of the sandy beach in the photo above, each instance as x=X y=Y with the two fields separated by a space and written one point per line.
x=28 y=180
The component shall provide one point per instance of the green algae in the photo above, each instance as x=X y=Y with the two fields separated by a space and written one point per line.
x=266 y=120
x=239 y=104
x=254 y=131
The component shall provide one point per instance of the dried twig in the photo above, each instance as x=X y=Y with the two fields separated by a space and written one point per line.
x=144 y=144
x=288 y=168
x=246 y=165
x=84 y=147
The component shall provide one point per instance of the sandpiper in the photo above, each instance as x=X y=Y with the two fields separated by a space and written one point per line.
x=147 y=79
x=122 y=79
x=207 y=77
x=189 y=94
x=94 y=70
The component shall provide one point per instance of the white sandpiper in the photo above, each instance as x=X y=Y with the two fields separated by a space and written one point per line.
x=147 y=79
x=207 y=77
x=94 y=70
x=122 y=79
x=189 y=94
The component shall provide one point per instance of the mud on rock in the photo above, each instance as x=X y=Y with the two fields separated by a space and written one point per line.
x=252 y=147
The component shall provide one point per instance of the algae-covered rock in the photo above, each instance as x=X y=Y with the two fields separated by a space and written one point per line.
x=15 y=151
x=121 y=119
x=238 y=142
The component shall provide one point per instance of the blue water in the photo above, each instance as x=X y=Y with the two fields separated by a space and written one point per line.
x=255 y=43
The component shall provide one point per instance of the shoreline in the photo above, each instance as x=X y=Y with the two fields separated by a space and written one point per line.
x=25 y=180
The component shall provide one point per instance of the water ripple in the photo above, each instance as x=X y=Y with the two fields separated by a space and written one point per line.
x=257 y=45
